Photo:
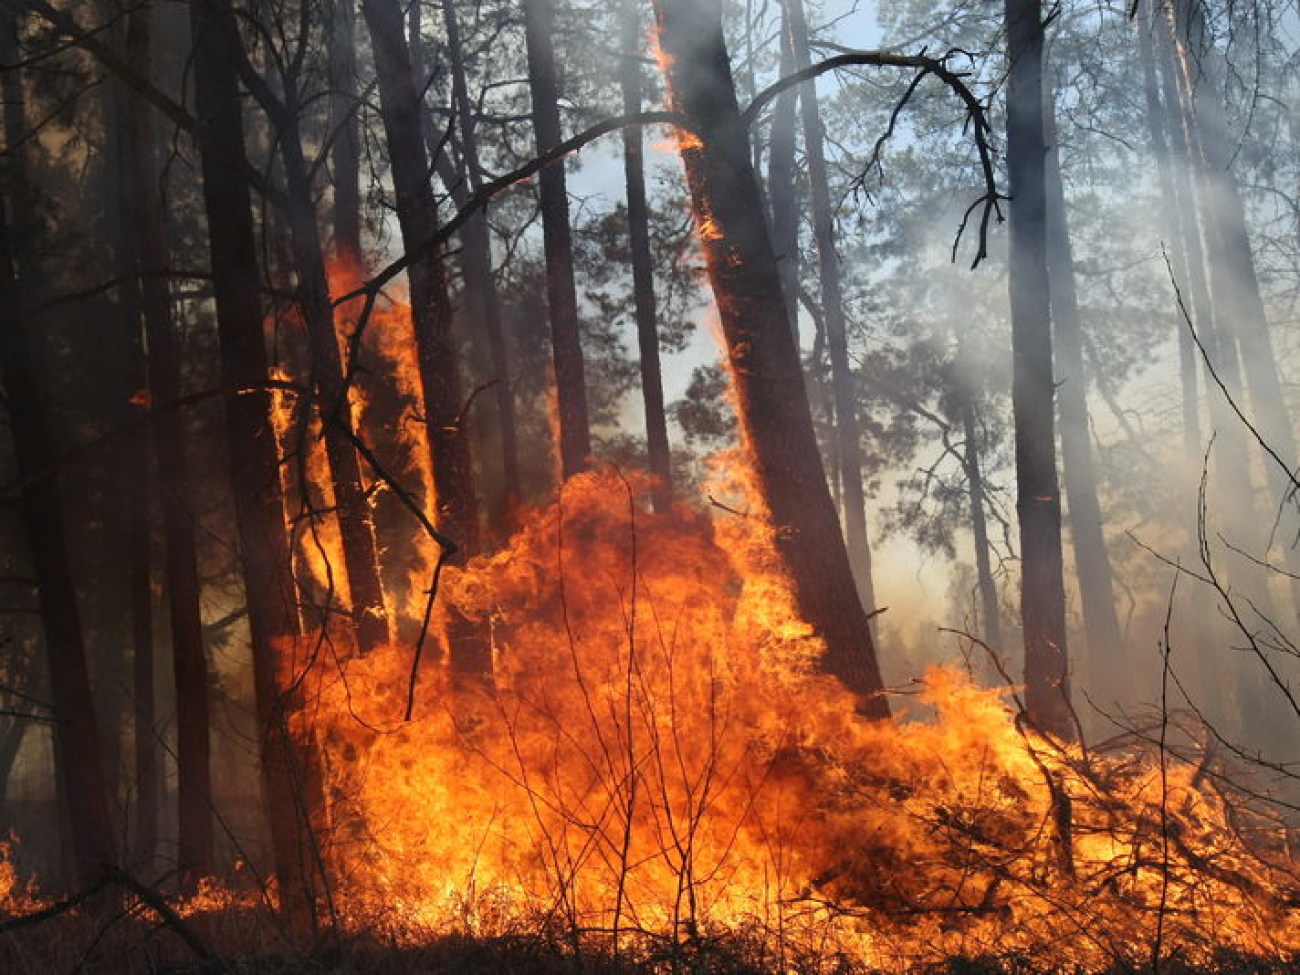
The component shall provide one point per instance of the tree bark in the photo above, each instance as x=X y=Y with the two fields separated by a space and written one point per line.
x=848 y=435
x=1038 y=500
x=773 y=406
x=82 y=784
x=1234 y=282
x=643 y=286
x=483 y=304
x=978 y=494
x=561 y=293
x=781 y=194
x=417 y=214
x=79 y=758
x=1091 y=560
x=144 y=218
x=1177 y=211
x=290 y=773
x=345 y=127
x=355 y=518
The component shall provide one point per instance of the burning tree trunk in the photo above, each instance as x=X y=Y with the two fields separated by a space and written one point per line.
x=1038 y=499
x=149 y=256
x=417 y=213
x=79 y=757
x=1091 y=560
x=773 y=406
x=482 y=302
x=643 y=288
x=561 y=294
x=356 y=521
x=848 y=438
x=290 y=772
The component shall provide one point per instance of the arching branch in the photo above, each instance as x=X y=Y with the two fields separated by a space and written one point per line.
x=989 y=203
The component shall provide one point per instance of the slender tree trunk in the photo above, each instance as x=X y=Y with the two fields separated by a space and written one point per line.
x=848 y=435
x=1091 y=560
x=82 y=783
x=355 y=518
x=781 y=193
x=561 y=293
x=144 y=218
x=1174 y=215
x=1177 y=210
x=290 y=773
x=1234 y=282
x=345 y=126
x=1038 y=499
x=773 y=405
x=417 y=214
x=643 y=286
x=79 y=758
x=992 y=615
x=483 y=304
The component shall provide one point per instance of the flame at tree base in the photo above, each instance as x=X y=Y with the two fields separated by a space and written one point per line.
x=659 y=761
x=659 y=772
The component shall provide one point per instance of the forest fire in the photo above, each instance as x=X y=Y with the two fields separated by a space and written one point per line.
x=660 y=762
x=393 y=582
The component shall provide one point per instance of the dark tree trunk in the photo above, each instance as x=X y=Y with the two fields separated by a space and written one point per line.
x=290 y=774
x=82 y=782
x=482 y=303
x=643 y=286
x=781 y=194
x=189 y=661
x=345 y=127
x=355 y=518
x=79 y=759
x=773 y=406
x=1038 y=499
x=1091 y=560
x=561 y=293
x=848 y=437
x=417 y=213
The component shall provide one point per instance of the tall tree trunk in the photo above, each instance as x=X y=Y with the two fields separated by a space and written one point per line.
x=82 y=783
x=978 y=493
x=561 y=293
x=483 y=304
x=848 y=435
x=79 y=759
x=144 y=219
x=1239 y=343
x=1177 y=211
x=643 y=286
x=345 y=127
x=1234 y=282
x=1038 y=499
x=773 y=405
x=355 y=518
x=417 y=214
x=290 y=773
x=1091 y=560
x=781 y=194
